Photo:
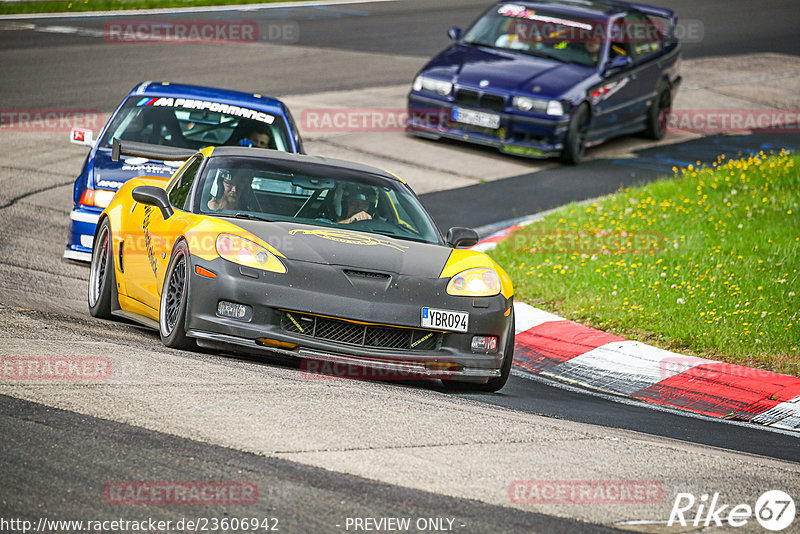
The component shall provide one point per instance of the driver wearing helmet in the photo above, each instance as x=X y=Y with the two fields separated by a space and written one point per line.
x=233 y=192
x=358 y=203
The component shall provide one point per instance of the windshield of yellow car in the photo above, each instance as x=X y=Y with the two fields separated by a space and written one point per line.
x=314 y=194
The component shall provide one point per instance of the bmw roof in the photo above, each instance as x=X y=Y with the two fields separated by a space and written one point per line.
x=587 y=9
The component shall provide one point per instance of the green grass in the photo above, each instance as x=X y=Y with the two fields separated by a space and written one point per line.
x=48 y=6
x=704 y=263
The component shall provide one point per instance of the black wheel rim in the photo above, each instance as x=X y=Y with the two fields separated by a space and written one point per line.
x=580 y=134
x=98 y=270
x=174 y=294
x=664 y=108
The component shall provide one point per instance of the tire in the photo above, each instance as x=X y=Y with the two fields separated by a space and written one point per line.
x=575 y=139
x=494 y=384
x=174 y=299
x=102 y=295
x=658 y=115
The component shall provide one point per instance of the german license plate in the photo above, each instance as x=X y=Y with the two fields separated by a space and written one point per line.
x=445 y=320
x=476 y=118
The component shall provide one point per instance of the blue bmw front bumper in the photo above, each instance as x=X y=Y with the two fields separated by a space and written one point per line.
x=83 y=222
x=518 y=134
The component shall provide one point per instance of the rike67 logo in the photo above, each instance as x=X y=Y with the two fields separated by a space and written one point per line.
x=774 y=510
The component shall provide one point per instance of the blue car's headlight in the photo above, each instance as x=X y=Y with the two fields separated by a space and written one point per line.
x=542 y=105
x=432 y=85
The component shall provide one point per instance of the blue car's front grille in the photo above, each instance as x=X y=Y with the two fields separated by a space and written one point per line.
x=466 y=97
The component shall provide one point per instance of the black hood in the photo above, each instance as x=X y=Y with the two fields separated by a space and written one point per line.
x=359 y=250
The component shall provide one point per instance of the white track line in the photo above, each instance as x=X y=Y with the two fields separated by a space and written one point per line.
x=197 y=9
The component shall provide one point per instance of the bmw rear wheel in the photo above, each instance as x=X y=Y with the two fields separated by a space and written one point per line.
x=658 y=115
x=102 y=281
x=174 y=298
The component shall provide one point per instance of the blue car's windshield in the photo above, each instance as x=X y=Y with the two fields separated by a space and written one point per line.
x=190 y=124
x=318 y=195
x=514 y=27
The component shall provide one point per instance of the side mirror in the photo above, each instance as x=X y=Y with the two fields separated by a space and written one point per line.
x=618 y=63
x=461 y=237
x=454 y=33
x=81 y=136
x=153 y=196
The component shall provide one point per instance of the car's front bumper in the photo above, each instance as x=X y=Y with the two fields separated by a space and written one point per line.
x=326 y=292
x=518 y=134
x=83 y=223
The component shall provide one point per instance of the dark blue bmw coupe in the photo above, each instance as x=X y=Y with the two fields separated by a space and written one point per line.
x=550 y=78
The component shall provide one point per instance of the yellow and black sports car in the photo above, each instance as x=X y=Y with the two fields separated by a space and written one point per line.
x=326 y=261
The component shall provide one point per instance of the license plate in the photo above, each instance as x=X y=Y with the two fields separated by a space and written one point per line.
x=445 y=320
x=476 y=118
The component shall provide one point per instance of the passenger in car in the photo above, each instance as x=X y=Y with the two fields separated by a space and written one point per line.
x=256 y=139
x=232 y=193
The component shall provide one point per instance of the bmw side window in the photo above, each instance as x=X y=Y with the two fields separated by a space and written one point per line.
x=644 y=35
x=180 y=191
x=619 y=40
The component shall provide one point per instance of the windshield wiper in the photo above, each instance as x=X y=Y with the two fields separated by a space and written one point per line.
x=252 y=217
x=485 y=45
x=400 y=236
x=242 y=215
x=545 y=55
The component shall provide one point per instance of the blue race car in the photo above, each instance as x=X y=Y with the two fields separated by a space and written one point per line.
x=170 y=115
x=545 y=78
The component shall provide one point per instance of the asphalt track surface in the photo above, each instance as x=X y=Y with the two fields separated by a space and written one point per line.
x=77 y=69
x=85 y=445
x=76 y=456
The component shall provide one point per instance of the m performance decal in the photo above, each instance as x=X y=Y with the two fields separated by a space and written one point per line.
x=215 y=107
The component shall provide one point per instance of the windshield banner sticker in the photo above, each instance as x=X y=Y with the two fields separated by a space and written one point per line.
x=215 y=107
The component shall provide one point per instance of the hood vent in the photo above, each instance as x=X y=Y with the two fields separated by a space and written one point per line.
x=367 y=275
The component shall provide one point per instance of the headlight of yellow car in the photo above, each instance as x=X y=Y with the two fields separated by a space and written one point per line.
x=477 y=282
x=245 y=252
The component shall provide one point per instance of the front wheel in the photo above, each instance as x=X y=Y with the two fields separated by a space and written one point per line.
x=575 y=138
x=102 y=280
x=494 y=384
x=658 y=115
x=174 y=298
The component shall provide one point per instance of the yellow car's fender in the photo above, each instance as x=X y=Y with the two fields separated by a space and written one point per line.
x=463 y=259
